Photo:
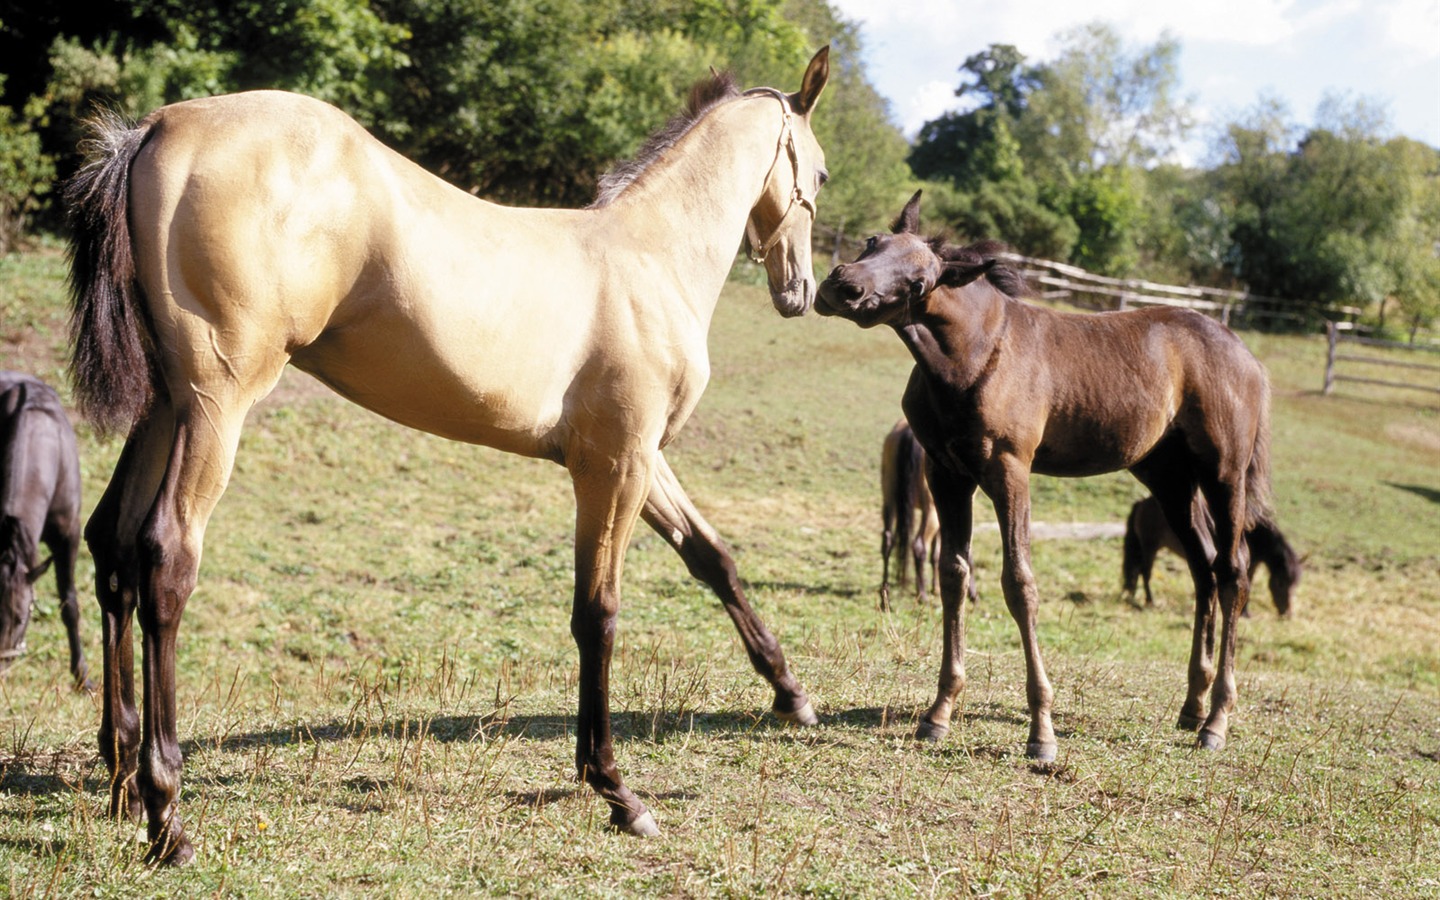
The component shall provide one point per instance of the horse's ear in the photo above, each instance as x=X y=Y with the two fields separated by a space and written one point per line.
x=34 y=574
x=12 y=400
x=909 y=220
x=816 y=74
x=956 y=274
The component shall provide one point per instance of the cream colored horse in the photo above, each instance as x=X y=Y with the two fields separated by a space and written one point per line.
x=267 y=228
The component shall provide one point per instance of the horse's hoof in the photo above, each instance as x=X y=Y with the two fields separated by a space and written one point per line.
x=642 y=826
x=1187 y=722
x=930 y=732
x=1209 y=740
x=174 y=851
x=1041 y=751
x=803 y=717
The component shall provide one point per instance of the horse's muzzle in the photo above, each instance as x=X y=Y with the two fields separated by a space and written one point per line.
x=837 y=296
x=796 y=299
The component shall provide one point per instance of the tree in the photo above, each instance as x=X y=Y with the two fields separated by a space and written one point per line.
x=1052 y=155
x=25 y=175
x=1339 y=215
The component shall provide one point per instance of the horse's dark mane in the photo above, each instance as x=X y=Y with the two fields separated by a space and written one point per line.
x=704 y=96
x=1001 y=275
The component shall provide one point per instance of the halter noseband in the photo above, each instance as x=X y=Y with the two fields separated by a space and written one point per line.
x=785 y=143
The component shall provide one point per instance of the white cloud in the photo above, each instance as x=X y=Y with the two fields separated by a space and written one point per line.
x=927 y=101
x=1415 y=26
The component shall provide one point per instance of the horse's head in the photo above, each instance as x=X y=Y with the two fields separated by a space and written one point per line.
x=17 y=587
x=1285 y=575
x=895 y=271
x=780 y=223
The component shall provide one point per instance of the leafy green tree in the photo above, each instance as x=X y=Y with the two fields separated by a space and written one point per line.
x=1051 y=156
x=25 y=175
x=1341 y=215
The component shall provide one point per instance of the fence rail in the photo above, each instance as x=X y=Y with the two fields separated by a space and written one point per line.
x=1335 y=333
x=1236 y=308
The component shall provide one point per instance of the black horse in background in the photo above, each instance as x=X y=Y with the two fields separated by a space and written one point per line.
x=1147 y=532
x=39 y=502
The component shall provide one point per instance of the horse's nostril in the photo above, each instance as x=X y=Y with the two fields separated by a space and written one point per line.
x=851 y=291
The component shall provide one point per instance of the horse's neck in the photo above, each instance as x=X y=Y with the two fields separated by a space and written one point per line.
x=688 y=210
x=956 y=333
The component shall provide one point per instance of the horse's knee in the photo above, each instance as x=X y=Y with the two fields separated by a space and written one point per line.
x=171 y=569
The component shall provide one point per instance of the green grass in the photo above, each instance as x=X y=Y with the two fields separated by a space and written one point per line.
x=377 y=681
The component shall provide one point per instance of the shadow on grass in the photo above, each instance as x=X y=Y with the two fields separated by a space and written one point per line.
x=628 y=725
x=847 y=591
x=1430 y=494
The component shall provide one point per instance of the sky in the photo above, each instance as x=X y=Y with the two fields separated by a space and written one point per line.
x=1232 y=52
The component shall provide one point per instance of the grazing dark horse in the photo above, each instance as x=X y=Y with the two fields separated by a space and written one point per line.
x=904 y=495
x=39 y=502
x=1001 y=389
x=1147 y=533
x=222 y=238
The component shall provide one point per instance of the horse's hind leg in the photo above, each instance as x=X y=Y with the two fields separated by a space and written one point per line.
x=110 y=534
x=1177 y=497
x=201 y=455
x=887 y=546
x=670 y=512
x=1227 y=501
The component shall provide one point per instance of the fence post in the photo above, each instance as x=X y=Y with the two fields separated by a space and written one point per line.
x=1332 y=334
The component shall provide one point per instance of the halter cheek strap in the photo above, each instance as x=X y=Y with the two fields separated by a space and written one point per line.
x=785 y=144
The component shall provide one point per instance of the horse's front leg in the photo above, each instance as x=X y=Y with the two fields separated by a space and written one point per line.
x=954 y=495
x=66 y=551
x=670 y=512
x=1010 y=490
x=607 y=503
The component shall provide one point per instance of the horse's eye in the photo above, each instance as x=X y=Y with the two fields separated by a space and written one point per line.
x=824 y=177
x=917 y=288
x=869 y=244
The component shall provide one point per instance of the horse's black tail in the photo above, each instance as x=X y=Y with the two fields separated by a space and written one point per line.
x=111 y=369
x=1131 y=559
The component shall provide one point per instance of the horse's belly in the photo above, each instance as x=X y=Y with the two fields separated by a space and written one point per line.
x=513 y=415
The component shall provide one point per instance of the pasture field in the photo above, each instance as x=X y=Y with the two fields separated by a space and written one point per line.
x=377 y=680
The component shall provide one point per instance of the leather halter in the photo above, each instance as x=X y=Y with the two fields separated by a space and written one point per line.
x=784 y=144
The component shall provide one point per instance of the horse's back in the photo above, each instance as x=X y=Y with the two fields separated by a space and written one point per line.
x=256 y=209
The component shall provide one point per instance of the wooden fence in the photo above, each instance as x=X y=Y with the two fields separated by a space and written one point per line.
x=1342 y=333
x=1237 y=309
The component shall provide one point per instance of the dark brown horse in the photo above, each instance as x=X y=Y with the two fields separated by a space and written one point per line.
x=1147 y=533
x=220 y=239
x=1002 y=388
x=39 y=503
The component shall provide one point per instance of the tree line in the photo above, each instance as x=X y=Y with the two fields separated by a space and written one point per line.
x=530 y=101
